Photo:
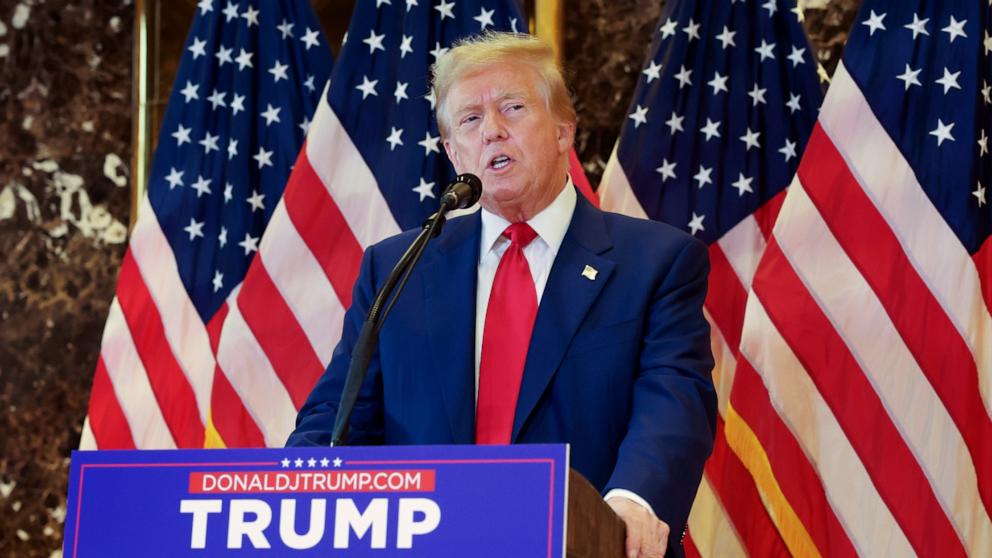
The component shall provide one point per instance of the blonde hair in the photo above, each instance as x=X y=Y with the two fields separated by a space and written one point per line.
x=475 y=53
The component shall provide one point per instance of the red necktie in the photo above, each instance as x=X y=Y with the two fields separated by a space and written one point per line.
x=509 y=322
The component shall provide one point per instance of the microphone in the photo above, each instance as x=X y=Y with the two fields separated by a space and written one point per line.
x=463 y=192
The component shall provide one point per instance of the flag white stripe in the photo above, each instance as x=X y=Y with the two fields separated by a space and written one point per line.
x=861 y=321
x=183 y=327
x=743 y=245
x=302 y=283
x=131 y=385
x=712 y=531
x=86 y=440
x=615 y=193
x=252 y=377
x=724 y=368
x=890 y=183
x=870 y=525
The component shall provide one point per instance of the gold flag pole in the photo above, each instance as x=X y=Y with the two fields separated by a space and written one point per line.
x=549 y=24
x=141 y=125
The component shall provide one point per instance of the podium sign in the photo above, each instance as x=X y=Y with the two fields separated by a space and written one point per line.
x=411 y=501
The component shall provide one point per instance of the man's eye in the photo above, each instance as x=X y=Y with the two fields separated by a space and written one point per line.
x=469 y=119
x=516 y=106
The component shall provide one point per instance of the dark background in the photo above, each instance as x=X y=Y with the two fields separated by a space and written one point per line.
x=65 y=150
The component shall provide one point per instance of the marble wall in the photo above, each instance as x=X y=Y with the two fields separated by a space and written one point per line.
x=65 y=143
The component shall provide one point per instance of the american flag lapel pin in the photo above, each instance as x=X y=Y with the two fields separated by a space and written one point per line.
x=590 y=272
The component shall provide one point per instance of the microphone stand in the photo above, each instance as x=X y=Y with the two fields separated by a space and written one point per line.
x=368 y=337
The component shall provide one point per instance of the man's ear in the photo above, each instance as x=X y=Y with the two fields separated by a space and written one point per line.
x=566 y=136
x=452 y=155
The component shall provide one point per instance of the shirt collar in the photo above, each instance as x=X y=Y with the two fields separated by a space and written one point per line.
x=550 y=224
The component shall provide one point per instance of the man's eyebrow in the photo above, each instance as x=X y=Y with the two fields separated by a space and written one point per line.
x=472 y=106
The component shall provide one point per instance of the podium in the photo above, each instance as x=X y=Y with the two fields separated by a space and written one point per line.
x=409 y=501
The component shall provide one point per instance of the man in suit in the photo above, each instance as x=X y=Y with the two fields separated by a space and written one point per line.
x=539 y=318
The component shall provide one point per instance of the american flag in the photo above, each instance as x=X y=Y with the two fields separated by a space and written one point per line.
x=865 y=379
x=726 y=102
x=248 y=81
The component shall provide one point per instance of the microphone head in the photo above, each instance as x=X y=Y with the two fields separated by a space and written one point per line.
x=474 y=184
x=463 y=192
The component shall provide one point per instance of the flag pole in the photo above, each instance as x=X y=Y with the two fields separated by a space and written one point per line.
x=141 y=123
x=549 y=24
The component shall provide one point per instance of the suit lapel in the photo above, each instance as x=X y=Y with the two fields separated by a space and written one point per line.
x=450 y=277
x=567 y=298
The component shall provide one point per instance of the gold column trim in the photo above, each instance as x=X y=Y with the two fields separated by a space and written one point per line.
x=549 y=24
x=141 y=116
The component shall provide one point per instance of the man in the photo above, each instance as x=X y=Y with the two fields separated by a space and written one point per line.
x=538 y=318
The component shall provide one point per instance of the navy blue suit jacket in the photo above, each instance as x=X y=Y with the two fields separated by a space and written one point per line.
x=618 y=366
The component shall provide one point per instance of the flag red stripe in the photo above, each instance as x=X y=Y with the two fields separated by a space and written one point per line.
x=580 y=179
x=726 y=298
x=279 y=334
x=172 y=390
x=766 y=214
x=983 y=261
x=690 y=547
x=736 y=490
x=796 y=476
x=859 y=412
x=323 y=228
x=929 y=334
x=231 y=419
x=107 y=421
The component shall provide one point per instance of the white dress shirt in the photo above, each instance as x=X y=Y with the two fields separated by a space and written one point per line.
x=550 y=224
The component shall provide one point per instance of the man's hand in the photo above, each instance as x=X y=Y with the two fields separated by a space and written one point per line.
x=647 y=536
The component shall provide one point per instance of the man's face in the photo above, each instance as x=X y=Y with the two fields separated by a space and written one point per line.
x=502 y=132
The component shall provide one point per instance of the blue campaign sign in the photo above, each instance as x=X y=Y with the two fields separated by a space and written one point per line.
x=411 y=501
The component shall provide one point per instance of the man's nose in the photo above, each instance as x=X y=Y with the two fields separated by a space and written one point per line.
x=493 y=127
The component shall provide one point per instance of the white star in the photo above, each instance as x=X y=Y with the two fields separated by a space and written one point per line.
x=313 y=462
x=918 y=27
x=190 y=91
x=202 y=186
x=683 y=77
x=983 y=145
x=800 y=14
x=765 y=50
x=692 y=30
x=653 y=71
x=224 y=56
x=251 y=16
x=718 y=83
x=218 y=281
x=431 y=98
x=955 y=29
x=405 y=47
x=271 y=114
x=374 y=41
x=942 y=132
x=674 y=123
x=796 y=56
x=237 y=104
x=874 y=22
x=337 y=461
x=788 y=150
x=325 y=462
x=949 y=81
x=230 y=11
x=793 y=103
x=485 y=18
x=278 y=71
x=445 y=9
x=232 y=148
x=424 y=189
x=710 y=129
x=310 y=38
x=987 y=43
x=250 y=244
x=987 y=92
x=175 y=178
x=309 y=84
x=209 y=143
x=400 y=92
x=367 y=87
x=668 y=29
x=696 y=224
x=394 y=138
x=194 y=229
x=197 y=48
x=513 y=25
x=438 y=51
x=286 y=28
x=298 y=462
x=770 y=6
x=979 y=193
x=639 y=116
x=228 y=192
x=285 y=463
x=222 y=237
x=727 y=37
x=750 y=139
x=429 y=143
x=379 y=3
x=205 y=6
x=182 y=135
x=263 y=157
x=666 y=170
x=410 y=4
x=703 y=176
x=217 y=99
x=742 y=184
x=305 y=125
x=244 y=60
x=910 y=77
x=757 y=95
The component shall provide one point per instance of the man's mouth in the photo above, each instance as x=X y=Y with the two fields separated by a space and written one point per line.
x=499 y=162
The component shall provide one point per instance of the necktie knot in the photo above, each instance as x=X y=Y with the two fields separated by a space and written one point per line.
x=520 y=234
